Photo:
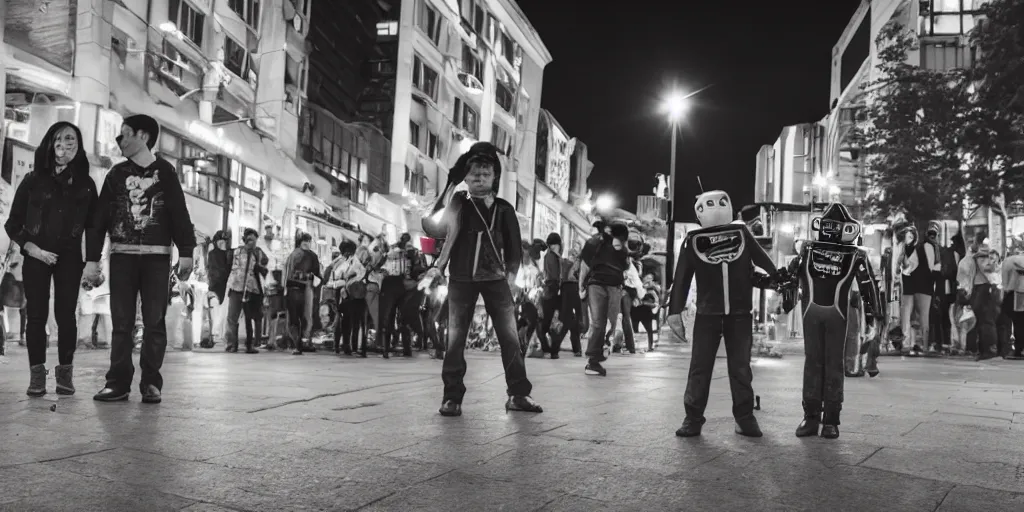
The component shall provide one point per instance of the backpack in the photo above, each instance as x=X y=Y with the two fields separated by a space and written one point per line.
x=947 y=258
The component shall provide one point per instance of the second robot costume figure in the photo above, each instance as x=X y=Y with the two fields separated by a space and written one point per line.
x=825 y=270
x=722 y=255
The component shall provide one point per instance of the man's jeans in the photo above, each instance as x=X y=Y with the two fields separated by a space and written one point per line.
x=146 y=276
x=604 y=303
x=462 y=297
x=986 y=303
x=252 y=308
x=708 y=332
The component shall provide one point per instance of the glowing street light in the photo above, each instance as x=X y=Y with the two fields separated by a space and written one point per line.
x=604 y=203
x=676 y=105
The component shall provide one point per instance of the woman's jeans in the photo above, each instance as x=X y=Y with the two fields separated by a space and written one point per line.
x=922 y=303
x=66 y=276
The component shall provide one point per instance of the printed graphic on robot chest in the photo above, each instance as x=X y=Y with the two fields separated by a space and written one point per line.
x=719 y=247
x=829 y=264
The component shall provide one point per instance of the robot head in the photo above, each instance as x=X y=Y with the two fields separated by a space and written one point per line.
x=713 y=208
x=836 y=225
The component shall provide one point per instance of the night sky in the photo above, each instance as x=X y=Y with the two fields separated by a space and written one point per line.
x=768 y=64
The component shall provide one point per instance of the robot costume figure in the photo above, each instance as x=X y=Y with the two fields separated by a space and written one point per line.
x=722 y=256
x=825 y=270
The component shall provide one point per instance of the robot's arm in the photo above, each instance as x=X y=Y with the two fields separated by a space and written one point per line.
x=868 y=286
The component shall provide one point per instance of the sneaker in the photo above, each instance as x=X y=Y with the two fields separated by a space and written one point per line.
x=595 y=369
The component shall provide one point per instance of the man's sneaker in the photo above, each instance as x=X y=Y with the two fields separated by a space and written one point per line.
x=109 y=394
x=523 y=404
x=691 y=427
x=595 y=369
x=450 y=408
x=150 y=394
x=37 y=380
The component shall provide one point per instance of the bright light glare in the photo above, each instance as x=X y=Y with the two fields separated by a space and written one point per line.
x=834 y=190
x=604 y=202
x=466 y=144
x=676 y=105
x=168 y=26
x=820 y=181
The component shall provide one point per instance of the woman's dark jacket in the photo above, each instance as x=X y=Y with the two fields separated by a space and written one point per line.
x=53 y=211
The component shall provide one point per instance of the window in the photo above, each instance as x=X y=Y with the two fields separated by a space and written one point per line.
x=947 y=17
x=188 y=20
x=508 y=48
x=505 y=98
x=471 y=64
x=429 y=21
x=433 y=145
x=414 y=134
x=197 y=169
x=387 y=28
x=501 y=139
x=474 y=15
x=415 y=182
x=492 y=28
x=465 y=117
x=248 y=10
x=237 y=60
x=424 y=78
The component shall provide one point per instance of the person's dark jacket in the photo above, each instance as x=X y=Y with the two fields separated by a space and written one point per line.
x=552 y=274
x=51 y=210
x=300 y=267
x=468 y=249
x=218 y=267
x=143 y=210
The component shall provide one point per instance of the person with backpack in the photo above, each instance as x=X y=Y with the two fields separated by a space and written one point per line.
x=245 y=292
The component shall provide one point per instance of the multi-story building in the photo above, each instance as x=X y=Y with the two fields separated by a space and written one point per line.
x=558 y=186
x=225 y=79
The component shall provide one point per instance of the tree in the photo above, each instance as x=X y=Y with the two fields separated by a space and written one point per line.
x=996 y=141
x=917 y=122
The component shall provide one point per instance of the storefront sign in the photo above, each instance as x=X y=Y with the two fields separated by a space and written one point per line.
x=214 y=137
x=108 y=127
x=545 y=221
x=559 y=153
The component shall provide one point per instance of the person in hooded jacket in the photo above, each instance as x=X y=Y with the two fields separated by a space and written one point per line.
x=482 y=252
x=49 y=214
x=218 y=266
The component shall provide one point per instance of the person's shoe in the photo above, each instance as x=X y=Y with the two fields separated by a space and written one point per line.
x=65 y=382
x=691 y=427
x=811 y=422
x=522 y=404
x=109 y=394
x=830 y=431
x=554 y=355
x=231 y=348
x=37 y=380
x=251 y=350
x=150 y=394
x=595 y=369
x=297 y=353
x=858 y=373
x=748 y=427
x=830 y=420
x=450 y=408
x=577 y=354
x=873 y=373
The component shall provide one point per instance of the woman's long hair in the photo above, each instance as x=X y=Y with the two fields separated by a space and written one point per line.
x=46 y=159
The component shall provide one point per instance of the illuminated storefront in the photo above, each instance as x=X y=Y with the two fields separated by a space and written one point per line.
x=545 y=222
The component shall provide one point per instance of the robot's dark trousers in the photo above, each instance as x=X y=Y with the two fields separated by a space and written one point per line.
x=824 y=347
x=708 y=332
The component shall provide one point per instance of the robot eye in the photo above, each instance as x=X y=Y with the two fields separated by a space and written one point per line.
x=723 y=202
x=711 y=202
x=848 y=229
x=700 y=208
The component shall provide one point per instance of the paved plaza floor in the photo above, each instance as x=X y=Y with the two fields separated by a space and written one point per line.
x=275 y=432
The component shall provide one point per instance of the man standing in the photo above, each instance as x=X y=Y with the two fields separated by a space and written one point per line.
x=245 y=293
x=218 y=264
x=605 y=259
x=396 y=270
x=301 y=273
x=142 y=208
x=484 y=248
x=550 y=302
x=571 y=312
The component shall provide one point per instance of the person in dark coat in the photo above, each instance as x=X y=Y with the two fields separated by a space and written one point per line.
x=218 y=266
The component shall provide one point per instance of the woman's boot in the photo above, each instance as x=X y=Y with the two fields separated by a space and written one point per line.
x=65 y=383
x=830 y=420
x=812 y=420
x=37 y=380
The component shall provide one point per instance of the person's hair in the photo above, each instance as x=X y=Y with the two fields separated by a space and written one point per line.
x=46 y=159
x=302 y=237
x=347 y=247
x=364 y=236
x=249 y=232
x=148 y=125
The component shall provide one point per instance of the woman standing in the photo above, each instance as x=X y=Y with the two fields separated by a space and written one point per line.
x=346 y=276
x=918 y=264
x=48 y=216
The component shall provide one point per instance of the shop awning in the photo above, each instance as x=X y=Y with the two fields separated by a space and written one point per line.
x=235 y=140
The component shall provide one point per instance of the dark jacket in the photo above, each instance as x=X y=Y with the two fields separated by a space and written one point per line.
x=143 y=211
x=607 y=265
x=218 y=266
x=552 y=274
x=53 y=211
x=723 y=259
x=468 y=248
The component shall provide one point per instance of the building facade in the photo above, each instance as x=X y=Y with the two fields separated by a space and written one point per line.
x=556 y=186
x=225 y=79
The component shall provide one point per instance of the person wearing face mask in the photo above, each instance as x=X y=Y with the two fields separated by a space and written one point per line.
x=142 y=209
x=605 y=259
x=245 y=292
x=483 y=252
x=51 y=210
x=218 y=266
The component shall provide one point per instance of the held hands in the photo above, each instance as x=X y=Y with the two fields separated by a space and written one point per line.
x=92 y=274
x=34 y=251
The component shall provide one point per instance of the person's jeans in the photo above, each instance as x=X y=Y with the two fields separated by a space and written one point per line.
x=604 y=302
x=66 y=276
x=922 y=304
x=708 y=332
x=295 y=304
x=373 y=303
x=253 y=310
x=351 y=325
x=985 y=302
x=218 y=314
x=571 y=315
x=392 y=293
x=627 y=322
x=462 y=297
x=146 y=276
x=548 y=307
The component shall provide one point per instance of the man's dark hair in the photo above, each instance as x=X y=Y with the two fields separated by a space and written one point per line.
x=249 y=232
x=347 y=247
x=301 y=237
x=145 y=124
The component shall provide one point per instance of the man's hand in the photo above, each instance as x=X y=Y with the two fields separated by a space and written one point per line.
x=34 y=251
x=184 y=268
x=91 y=274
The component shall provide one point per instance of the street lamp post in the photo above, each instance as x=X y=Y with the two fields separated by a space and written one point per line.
x=675 y=106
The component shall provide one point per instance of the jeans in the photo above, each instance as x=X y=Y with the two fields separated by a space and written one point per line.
x=708 y=331
x=146 y=276
x=351 y=325
x=604 y=302
x=253 y=310
x=627 y=322
x=462 y=297
x=392 y=293
x=548 y=307
x=572 y=317
x=985 y=302
x=298 y=323
x=66 y=276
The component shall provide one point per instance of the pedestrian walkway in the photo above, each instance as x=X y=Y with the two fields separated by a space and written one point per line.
x=275 y=432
